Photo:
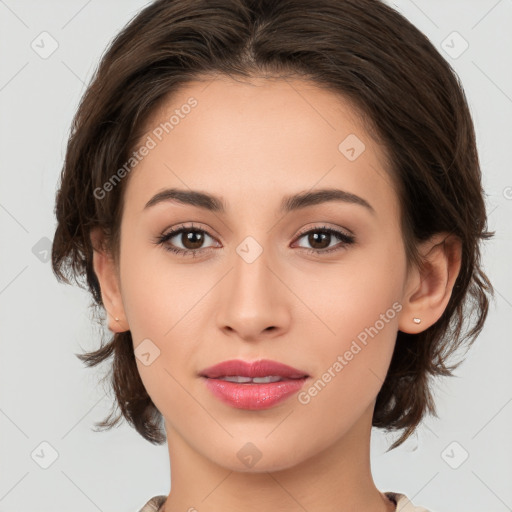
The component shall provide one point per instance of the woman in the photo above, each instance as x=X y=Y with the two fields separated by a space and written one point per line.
x=279 y=206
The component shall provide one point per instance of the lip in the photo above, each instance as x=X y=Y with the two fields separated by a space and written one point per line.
x=260 y=368
x=253 y=396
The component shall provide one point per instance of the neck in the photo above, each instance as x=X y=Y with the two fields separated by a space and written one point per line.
x=336 y=479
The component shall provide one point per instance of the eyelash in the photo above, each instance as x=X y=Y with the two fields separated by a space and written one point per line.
x=162 y=239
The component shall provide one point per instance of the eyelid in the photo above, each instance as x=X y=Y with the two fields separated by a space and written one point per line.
x=343 y=231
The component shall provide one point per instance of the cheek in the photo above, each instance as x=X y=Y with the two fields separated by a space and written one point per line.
x=362 y=291
x=359 y=313
x=352 y=365
x=156 y=294
x=158 y=299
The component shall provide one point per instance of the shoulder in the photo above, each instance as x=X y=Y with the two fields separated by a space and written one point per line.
x=404 y=504
x=154 y=504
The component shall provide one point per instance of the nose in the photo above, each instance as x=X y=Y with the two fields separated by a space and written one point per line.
x=253 y=301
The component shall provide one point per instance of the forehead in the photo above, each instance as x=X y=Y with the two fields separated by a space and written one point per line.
x=258 y=141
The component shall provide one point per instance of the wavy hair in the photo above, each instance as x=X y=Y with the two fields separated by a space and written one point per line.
x=408 y=96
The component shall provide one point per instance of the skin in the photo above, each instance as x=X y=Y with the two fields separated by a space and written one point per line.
x=252 y=144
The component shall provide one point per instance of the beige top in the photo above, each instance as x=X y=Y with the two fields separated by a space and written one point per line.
x=403 y=504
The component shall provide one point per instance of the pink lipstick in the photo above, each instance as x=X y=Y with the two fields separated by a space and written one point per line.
x=254 y=386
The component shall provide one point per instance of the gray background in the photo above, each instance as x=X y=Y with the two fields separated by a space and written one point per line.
x=48 y=396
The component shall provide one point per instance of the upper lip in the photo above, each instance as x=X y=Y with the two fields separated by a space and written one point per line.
x=260 y=368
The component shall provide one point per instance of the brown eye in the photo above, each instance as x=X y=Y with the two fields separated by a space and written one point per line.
x=320 y=240
x=191 y=240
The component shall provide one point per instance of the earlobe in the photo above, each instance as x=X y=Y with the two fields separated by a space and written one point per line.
x=106 y=272
x=429 y=289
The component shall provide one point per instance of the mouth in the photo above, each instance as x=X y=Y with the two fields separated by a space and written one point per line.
x=253 y=386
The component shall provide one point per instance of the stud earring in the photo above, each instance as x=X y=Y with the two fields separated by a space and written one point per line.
x=416 y=320
x=115 y=317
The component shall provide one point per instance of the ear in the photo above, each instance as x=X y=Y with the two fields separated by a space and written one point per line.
x=106 y=272
x=428 y=291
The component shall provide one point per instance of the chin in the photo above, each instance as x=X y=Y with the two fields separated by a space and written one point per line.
x=255 y=457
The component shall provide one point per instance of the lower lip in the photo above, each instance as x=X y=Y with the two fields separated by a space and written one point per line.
x=253 y=396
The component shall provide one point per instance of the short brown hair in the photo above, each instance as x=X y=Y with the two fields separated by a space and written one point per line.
x=409 y=97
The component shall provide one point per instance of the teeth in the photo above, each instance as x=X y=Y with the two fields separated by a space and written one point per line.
x=255 y=380
x=236 y=378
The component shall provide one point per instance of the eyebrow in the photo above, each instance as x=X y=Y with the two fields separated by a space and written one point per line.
x=288 y=204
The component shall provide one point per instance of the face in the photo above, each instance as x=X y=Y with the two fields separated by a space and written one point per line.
x=317 y=287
